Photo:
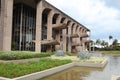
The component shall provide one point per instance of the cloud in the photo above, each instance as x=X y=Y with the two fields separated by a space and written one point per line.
x=103 y=20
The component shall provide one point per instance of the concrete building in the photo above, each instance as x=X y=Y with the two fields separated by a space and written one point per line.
x=36 y=25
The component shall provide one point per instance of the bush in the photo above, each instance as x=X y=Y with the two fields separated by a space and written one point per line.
x=84 y=55
x=59 y=53
x=14 y=55
x=69 y=54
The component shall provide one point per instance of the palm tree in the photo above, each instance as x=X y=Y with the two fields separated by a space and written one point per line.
x=115 y=42
x=98 y=41
x=106 y=44
x=103 y=43
x=110 y=38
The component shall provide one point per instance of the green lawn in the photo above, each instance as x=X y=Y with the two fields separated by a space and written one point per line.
x=11 y=70
x=110 y=52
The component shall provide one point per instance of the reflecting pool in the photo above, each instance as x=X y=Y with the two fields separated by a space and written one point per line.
x=86 y=73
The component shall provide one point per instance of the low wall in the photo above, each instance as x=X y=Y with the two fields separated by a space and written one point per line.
x=89 y=64
x=2 y=78
x=44 y=73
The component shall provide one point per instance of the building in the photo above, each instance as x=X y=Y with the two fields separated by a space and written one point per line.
x=36 y=25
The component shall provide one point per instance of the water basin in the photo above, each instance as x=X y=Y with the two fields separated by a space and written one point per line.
x=86 y=73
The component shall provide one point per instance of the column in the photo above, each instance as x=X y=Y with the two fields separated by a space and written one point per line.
x=64 y=35
x=78 y=39
x=38 y=27
x=1 y=33
x=6 y=24
x=49 y=26
x=49 y=30
x=64 y=39
x=69 y=39
x=80 y=33
x=58 y=47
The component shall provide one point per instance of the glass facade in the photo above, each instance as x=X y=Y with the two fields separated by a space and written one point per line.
x=23 y=30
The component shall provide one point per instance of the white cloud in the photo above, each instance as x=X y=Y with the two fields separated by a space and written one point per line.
x=94 y=14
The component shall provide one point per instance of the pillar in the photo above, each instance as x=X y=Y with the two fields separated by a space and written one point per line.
x=38 y=27
x=6 y=24
x=1 y=33
x=78 y=39
x=64 y=35
x=49 y=30
x=49 y=25
x=69 y=39
x=58 y=47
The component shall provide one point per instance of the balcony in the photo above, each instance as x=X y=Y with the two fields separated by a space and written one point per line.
x=59 y=26
x=48 y=42
x=75 y=44
x=88 y=41
x=74 y=35
x=84 y=35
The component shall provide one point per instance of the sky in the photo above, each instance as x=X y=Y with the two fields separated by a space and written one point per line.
x=102 y=17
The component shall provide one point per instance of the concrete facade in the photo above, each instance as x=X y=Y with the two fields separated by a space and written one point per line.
x=61 y=31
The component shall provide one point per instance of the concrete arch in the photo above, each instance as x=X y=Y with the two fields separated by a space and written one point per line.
x=56 y=18
x=74 y=28
x=69 y=22
x=80 y=30
x=77 y=28
x=45 y=14
x=63 y=20
x=46 y=28
x=46 y=22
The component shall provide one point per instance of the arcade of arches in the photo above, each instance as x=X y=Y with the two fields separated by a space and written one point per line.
x=36 y=25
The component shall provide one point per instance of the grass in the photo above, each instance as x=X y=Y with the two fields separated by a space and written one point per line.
x=15 y=55
x=110 y=52
x=11 y=70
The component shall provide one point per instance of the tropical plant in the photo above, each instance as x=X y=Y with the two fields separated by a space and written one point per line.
x=98 y=42
x=110 y=38
x=84 y=55
x=115 y=42
x=59 y=53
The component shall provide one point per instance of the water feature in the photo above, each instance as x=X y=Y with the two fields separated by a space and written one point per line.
x=86 y=73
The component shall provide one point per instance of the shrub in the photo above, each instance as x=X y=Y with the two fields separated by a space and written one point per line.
x=84 y=55
x=69 y=54
x=59 y=53
x=14 y=55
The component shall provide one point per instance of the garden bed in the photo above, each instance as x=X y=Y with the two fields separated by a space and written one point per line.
x=11 y=70
x=42 y=66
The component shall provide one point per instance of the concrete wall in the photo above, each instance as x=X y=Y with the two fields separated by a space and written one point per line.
x=6 y=24
x=41 y=5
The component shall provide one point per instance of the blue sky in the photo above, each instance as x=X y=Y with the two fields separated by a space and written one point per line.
x=102 y=17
